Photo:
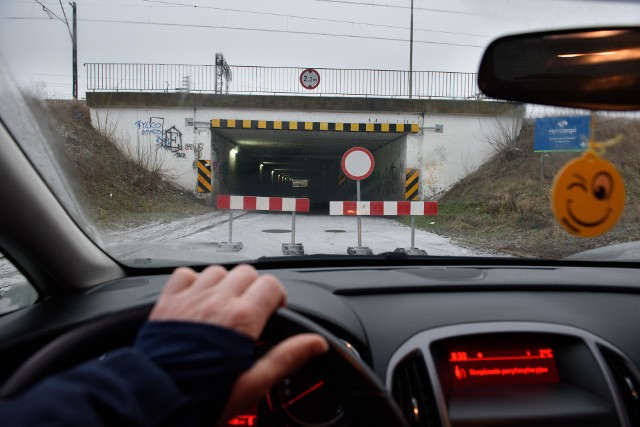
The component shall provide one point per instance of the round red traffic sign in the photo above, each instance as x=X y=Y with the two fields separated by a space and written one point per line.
x=357 y=163
x=310 y=78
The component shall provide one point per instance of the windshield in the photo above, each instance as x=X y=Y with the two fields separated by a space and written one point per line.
x=193 y=132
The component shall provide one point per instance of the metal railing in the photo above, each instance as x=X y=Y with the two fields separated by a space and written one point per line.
x=115 y=77
x=119 y=77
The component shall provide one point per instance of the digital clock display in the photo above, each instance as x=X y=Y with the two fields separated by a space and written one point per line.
x=491 y=366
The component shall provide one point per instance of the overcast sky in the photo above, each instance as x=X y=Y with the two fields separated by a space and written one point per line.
x=448 y=35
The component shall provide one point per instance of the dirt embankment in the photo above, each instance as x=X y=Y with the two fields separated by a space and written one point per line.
x=505 y=204
x=118 y=190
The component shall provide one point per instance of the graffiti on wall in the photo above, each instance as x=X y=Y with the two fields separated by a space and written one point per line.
x=220 y=168
x=168 y=139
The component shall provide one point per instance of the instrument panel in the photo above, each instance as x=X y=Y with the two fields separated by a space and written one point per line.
x=510 y=374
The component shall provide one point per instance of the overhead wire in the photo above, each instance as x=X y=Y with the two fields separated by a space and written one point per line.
x=313 y=18
x=52 y=15
x=357 y=3
x=266 y=30
x=49 y=11
x=66 y=21
x=354 y=3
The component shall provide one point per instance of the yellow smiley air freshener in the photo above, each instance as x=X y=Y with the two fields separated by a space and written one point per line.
x=587 y=197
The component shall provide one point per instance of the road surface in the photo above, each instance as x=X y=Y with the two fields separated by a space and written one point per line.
x=195 y=239
x=263 y=233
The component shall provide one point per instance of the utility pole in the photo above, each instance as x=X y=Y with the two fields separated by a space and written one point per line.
x=411 y=55
x=74 y=39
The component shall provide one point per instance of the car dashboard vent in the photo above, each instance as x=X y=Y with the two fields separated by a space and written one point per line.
x=412 y=391
x=627 y=382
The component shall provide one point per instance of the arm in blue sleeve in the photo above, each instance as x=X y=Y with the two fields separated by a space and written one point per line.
x=203 y=360
x=177 y=373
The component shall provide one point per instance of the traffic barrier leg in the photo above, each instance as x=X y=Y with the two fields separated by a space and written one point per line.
x=230 y=246
x=412 y=250
x=293 y=248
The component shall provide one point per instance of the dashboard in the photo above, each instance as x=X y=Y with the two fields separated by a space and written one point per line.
x=455 y=345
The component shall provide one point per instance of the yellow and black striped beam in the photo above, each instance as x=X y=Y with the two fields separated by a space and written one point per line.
x=315 y=126
x=412 y=183
x=204 y=176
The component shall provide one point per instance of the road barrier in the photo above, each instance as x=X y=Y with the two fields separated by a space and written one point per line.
x=387 y=208
x=256 y=203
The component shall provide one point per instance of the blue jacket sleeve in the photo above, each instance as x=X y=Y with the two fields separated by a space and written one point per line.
x=177 y=373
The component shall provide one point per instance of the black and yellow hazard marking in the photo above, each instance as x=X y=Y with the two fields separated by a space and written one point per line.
x=204 y=176
x=412 y=184
x=315 y=126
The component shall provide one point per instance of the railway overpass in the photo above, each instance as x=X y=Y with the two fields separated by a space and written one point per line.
x=289 y=145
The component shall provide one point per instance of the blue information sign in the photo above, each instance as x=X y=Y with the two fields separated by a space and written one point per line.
x=562 y=133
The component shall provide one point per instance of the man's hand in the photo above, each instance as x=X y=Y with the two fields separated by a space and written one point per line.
x=243 y=301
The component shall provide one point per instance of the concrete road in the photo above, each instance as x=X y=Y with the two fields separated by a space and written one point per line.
x=196 y=239
x=262 y=234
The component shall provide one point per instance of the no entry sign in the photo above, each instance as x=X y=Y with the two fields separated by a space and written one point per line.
x=357 y=163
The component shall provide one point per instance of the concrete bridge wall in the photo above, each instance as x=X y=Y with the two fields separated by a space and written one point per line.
x=174 y=130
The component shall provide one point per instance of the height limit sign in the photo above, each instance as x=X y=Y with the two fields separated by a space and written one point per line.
x=310 y=78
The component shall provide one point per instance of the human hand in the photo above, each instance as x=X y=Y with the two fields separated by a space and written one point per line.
x=243 y=301
x=239 y=300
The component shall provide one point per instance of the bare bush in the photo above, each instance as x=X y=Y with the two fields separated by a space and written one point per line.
x=145 y=156
x=503 y=132
x=106 y=123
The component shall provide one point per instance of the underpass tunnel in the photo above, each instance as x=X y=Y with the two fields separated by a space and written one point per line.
x=286 y=163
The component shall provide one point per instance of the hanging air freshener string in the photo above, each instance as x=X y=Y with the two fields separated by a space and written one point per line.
x=599 y=148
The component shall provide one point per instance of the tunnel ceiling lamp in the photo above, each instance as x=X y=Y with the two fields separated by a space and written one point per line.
x=233 y=151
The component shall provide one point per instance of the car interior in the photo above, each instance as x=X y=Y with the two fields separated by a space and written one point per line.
x=415 y=340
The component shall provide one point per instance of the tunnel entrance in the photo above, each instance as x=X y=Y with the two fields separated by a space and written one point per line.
x=269 y=159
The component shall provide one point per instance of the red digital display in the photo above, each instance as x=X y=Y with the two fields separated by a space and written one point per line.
x=247 y=418
x=243 y=420
x=470 y=367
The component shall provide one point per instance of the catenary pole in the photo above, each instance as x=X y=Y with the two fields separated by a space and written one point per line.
x=74 y=38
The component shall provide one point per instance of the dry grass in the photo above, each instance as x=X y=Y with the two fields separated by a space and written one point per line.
x=117 y=188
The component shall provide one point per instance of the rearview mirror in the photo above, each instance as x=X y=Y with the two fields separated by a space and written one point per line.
x=586 y=68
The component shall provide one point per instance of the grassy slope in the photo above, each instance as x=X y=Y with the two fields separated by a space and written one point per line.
x=504 y=205
x=117 y=188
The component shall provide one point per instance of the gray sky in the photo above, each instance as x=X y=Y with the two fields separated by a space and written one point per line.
x=449 y=35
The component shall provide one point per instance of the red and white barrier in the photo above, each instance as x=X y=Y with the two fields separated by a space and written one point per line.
x=254 y=203
x=404 y=208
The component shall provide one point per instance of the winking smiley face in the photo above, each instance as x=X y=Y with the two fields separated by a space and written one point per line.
x=588 y=196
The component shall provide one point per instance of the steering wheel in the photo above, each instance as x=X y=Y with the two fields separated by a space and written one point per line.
x=362 y=395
